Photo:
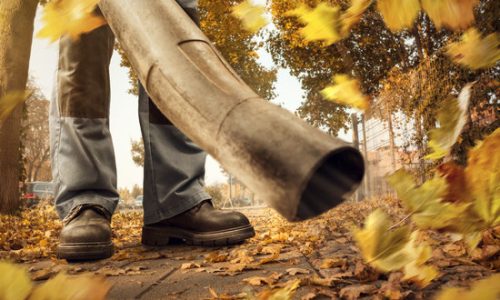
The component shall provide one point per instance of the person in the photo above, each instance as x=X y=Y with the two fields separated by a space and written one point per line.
x=176 y=205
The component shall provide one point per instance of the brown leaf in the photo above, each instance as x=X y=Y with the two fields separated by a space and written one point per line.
x=333 y=262
x=259 y=280
x=216 y=257
x=454 y=250
x=356 y=290
x=295 y=271
x=190 y=265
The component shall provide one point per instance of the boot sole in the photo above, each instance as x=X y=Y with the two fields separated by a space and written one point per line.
x=87 y=251
x=162 y=236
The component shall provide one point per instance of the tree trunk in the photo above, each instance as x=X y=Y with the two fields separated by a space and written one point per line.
x=16 y=34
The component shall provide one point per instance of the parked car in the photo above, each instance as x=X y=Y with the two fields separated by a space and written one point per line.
x=37 y=190
x=138 y=201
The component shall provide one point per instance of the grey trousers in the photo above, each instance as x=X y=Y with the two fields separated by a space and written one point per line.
x=83 y=161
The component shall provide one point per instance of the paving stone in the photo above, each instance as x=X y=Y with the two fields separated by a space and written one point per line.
x=139 y=277
x=190 y=284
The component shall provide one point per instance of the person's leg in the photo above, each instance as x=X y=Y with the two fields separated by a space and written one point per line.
x=174 y=167
x=83 y=162
x=174 y=171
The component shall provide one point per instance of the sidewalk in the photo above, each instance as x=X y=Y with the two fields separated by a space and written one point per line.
x=319 y=252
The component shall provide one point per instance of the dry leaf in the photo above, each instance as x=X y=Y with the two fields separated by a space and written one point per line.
x=346 y=91
x=425 y=202
x=452 y=118
x=399 y=14
x=475 y=52
x=69 y=17
x=353 y=14
x=332 y=263
x=394 y=250
x=455 y=14
x=259 y=280
x=285 y=293
x=353 y=292
x=483 y=178
x=295 y=271
x=64 y=287
x=14 y=282
x=486 y=289
x=321 y=23
x=251 y=16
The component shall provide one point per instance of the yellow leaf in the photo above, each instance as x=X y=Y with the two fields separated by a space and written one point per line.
x=14 y=282
x=321 y=23
x=379 y=246
x=416 y=270
x=9 y=102
x=346 y=90
x=452 y=119
x=72 y=288
x=69 y=17
x=394 y=250
x=398 y=14
x=353 y=14
x=486 y=289
x=285 y=293
x=424 y=202
x=455 y=14
x=483 y=178
x=475 y=52
x=251 y=16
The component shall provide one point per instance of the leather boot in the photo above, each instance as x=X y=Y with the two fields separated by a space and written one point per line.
x=86 y=234
x=202 y=225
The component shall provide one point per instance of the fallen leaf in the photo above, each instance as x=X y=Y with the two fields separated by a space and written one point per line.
x=483 y=177
x=333 y=262
x=353 y=14
x=259 y=280
x=190 y=265
x=353 y=292
x=285 y=293
x=14 y=281
x=346 y=91
x=216 y=257
x=74 y=288
x=455 y=14
x=475 y=52
x=452 y=119
x=454 y=250
x=425 y=202
x=398 y=14
x=250 y=15
x=394 y=250
x=321 y=23
x=295 y=271
x=486 y=289
x=69 y=17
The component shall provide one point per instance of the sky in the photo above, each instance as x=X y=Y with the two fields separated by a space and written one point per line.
x=124 y=120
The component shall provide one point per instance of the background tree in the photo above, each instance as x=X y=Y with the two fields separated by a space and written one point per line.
x=216 y=191
x=407 y=69
x=236 y=45
x=125 y=194
x=16 y=34
x=35 y=139
x=136 y=191
x=137 y=150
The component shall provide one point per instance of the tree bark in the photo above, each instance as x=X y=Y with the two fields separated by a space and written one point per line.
x=16 y=34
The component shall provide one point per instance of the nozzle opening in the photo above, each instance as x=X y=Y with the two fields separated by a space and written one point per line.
x=336 y=177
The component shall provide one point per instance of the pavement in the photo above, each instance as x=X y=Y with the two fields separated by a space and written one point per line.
x=184 y=272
